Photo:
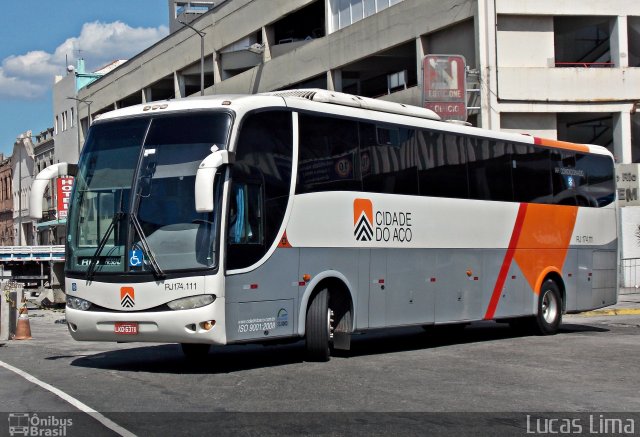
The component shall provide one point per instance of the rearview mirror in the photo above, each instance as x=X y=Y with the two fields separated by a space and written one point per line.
x=206 y=175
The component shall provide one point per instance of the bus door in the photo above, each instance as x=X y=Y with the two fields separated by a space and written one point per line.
x=260 y=302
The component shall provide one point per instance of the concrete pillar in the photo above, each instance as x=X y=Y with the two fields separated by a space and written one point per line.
x=622 y=137
x=619 y=42
x=328 y=22
x=147 y=95
x=178 y=84
x=218 y=73
x=485 y=30
x=334 y=80
x=268 y=39
x=421 y=52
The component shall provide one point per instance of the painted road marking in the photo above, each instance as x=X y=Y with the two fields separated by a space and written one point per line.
x=71 y=400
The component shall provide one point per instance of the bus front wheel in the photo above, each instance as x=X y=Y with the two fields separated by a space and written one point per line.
x=318 y=327
x=549 y=315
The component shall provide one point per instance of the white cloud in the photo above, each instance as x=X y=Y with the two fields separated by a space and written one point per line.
x=29 y=75
x=15 y=87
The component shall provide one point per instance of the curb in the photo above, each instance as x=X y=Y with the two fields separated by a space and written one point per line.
x=613 y=312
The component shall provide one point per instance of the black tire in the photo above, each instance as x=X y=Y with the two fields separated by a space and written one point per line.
x=317 y=328
x=549 y=316
x=193 y=351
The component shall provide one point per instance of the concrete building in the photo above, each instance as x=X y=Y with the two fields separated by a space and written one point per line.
x=67 y=107
x=50 y=229
x=22 y=170
x=6 y=202
x=187 y=11
x=569 y=71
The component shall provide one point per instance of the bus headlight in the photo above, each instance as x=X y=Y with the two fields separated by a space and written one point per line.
x=190 y=303
x=76 y=303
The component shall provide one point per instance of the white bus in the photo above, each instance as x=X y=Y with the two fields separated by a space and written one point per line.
x=310 y=214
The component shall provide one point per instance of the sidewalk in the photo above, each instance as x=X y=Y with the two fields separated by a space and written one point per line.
x=628 y=305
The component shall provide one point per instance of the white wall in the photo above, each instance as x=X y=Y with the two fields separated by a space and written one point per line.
x=66 y=140
x=578 y=85
x=525 y=41
x=543 y=125
x=23 y=167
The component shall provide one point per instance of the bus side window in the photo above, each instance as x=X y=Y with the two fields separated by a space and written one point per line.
x=565 y=177
x=531 y=174
x=490 y=170
x=245 y=222
x=329 y=158
x=389 y=159
x=245 y=214
x=442 y=161
x=261 y=179
x=598 y=171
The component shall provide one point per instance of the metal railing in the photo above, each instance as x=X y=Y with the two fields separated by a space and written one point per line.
x=585 y=64
x=630 y=273
x=32 y=253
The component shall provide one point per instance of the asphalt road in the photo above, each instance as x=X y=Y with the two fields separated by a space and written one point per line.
x=403 y=381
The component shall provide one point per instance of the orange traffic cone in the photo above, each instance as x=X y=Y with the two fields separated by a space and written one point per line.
x=23 y=328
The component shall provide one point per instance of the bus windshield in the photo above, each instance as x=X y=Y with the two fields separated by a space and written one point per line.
x=133 y=207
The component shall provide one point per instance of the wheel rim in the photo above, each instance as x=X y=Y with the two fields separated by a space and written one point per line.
x=549 y=307
x=330 y=324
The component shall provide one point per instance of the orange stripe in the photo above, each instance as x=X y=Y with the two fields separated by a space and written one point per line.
x=546 y=235
x=506 y=263
x=561 y=145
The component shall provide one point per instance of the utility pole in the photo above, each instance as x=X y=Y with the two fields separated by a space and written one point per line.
x=201 y=34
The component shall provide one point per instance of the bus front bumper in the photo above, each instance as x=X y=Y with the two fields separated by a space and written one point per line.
x=183 y=326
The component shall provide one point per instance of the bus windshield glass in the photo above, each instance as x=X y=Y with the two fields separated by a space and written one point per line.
x=133 y=207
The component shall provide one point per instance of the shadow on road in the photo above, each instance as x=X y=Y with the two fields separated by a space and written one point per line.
x=407 y=339
x=169 y=358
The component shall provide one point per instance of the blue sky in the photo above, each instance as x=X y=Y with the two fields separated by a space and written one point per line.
x=37 y=34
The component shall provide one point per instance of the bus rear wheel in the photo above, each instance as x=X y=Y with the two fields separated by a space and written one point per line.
x=194 y=351
x=549 y=315
x=318 y=327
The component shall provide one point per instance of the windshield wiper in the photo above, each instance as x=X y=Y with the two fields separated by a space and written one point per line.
x=145 y=247
x=117 y=216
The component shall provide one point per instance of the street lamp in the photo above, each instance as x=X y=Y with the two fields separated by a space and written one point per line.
x=201 y=34
x=88 y=103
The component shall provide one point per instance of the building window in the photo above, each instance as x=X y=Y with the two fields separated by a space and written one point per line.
x=634 y=41
x=347 y=12
x=582 y=42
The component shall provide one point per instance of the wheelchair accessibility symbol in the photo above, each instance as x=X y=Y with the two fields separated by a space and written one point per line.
x=135 y=258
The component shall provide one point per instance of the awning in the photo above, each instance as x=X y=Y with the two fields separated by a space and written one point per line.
x=51 y=223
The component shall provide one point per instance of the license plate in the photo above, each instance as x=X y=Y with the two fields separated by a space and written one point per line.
x=126 y=328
